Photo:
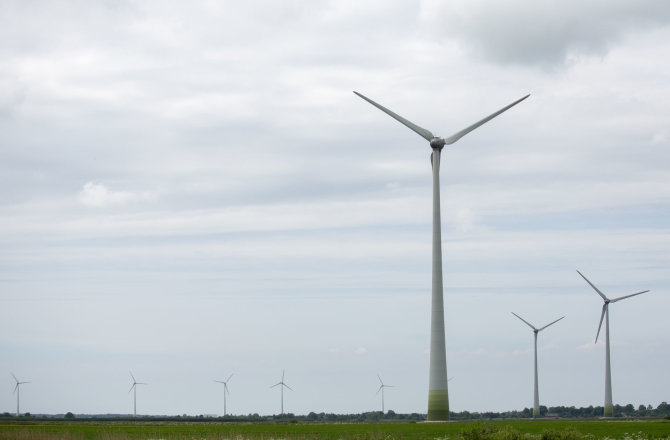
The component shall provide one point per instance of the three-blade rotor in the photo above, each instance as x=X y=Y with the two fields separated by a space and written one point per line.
x=383 y=385
x=225 y=383
x=438 y=142
x=135 y=382
x=607 y=301
x=537 y=330
x=282 y=382
x=18 y=382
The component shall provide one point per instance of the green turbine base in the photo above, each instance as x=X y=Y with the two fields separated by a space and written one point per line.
x=609 y=411
x=438 y=405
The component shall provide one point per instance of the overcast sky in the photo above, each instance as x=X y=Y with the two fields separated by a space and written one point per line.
x=192 y=190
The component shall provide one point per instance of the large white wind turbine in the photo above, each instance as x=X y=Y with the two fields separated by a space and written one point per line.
x=17 y=390
x=609 y=408
x=536 y=396
x=281 y=385
x=225 y=391
x=381 y=388
x=134 y=389
x=438 y=394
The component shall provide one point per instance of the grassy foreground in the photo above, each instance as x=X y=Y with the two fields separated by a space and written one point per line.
x=518 y=430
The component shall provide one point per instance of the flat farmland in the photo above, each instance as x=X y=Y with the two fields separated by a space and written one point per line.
x=499 y=430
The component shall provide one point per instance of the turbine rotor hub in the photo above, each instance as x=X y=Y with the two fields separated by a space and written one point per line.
x=437 y=142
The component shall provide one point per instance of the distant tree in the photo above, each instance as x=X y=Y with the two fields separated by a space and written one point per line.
x=69 y=415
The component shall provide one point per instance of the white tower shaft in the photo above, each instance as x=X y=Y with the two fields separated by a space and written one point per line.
x=609 y=408
x=438 y=393
x=536 y=393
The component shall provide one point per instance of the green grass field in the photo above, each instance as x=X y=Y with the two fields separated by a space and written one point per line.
x=517 y=430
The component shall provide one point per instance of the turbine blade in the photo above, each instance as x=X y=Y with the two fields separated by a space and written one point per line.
x=380 y=379
x=594 y=287
x=456 y=136
x=280 y=383
x=131 y=388
x=529 y=324
x=288 y=387
x=379 y=389
x=16 y=387
x=553 y=322
x=602 y=315
x=131 y=375
x=225 y=388
x=220 y=381
x=426 y=134
x=17 y=381
x=628 y=296
x=229 y=377
x=282 y=376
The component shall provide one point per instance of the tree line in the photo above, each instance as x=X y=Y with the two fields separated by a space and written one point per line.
x=622 y=411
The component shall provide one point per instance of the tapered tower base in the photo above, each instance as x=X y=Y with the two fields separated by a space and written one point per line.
x=609 y=411
x=438 y=405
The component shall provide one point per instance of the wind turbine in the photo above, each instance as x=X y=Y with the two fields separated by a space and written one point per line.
x=17 y=390
x=381 y=388
x=536 y=396
x=282 y=390
x=609 y=408
x=133 y=388
x=225 y=391
x=438 y=393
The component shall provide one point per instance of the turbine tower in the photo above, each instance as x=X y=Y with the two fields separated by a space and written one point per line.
x=17 y=390
x=438 y=393
x=381 y=388
x=281 y=385
x=536 y=396
x=133 y=388
x=225 y=391
x=609 y=408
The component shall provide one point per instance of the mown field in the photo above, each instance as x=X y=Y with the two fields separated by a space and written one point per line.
x=499 y=430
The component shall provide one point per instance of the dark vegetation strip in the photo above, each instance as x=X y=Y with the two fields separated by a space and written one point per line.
x=519 y=430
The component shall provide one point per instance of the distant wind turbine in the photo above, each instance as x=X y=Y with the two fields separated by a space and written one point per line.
x=609 y=408
x=133 y=388
x=438 y=392
x=225 y=391
x=17 y=390
x=536 y=396
x=381 y=388
x=281 y=385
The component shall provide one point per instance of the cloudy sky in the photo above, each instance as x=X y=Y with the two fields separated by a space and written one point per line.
x=191 y=190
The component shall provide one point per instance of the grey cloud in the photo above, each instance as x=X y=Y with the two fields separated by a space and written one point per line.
x=544 y=33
